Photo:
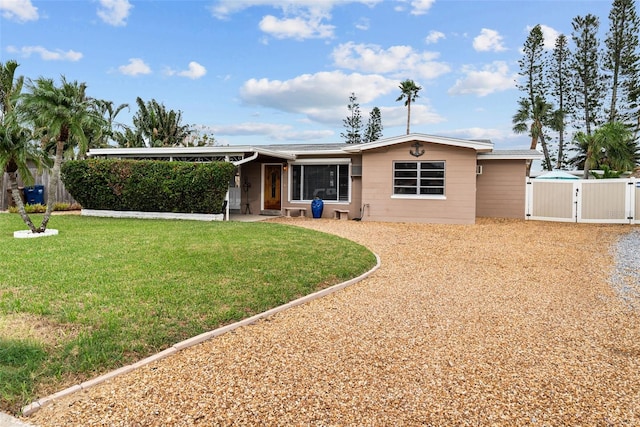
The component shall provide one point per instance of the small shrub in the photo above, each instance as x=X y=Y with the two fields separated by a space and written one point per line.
x=38 y=208
x=30 y=209
x=66 y=206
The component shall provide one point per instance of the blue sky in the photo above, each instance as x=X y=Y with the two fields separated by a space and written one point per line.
x=278 y=71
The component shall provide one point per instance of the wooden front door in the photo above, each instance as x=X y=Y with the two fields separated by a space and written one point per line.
x=272 y=174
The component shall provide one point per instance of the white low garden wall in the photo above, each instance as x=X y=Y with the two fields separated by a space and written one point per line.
x=152 y=215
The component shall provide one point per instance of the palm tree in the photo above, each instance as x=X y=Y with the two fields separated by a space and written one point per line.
x=539 y=115
x=10 y=86
x=66 y=113
x=106 y=108
x=609 y=145
x=17 y=149
x=17 y=152
x=129 y=138
x=158 y=126
x=409 y=92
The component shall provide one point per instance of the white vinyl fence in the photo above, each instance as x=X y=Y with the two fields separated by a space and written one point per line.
x=615 y=201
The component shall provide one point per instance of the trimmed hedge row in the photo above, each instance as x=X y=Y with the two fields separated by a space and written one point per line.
x=148 y=185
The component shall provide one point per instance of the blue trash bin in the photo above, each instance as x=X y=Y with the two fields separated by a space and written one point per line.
x=34 y=195
x=316 y=207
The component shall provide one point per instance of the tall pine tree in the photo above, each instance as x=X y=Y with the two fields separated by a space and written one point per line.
x=533 y=110
x=373 y=131
x=621 y=59
x=353 y=122
x=558 y=72
x=587 y=81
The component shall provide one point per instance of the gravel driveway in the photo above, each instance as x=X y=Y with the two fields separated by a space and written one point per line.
x=498 y=323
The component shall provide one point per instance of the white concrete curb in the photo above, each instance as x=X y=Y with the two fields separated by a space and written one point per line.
x=151 y=215
x=40 y=403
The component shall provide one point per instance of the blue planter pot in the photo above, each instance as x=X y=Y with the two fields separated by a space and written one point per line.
x=316 y=208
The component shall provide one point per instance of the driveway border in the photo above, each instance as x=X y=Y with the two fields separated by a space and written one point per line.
x=42 y=402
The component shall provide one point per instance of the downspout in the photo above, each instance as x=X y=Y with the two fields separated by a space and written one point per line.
x=246 y=160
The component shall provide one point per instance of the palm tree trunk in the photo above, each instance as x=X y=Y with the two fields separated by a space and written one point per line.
x=560 y=150
x=15 y=193
x=53 y=185
x=533 y=146
x=408 y=113
x=545 y=151
x=587 y=163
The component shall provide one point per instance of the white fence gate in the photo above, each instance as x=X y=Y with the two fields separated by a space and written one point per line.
x=614 y=201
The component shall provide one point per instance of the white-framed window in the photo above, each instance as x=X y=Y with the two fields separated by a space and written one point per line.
x=328 y=180
x=422 y=179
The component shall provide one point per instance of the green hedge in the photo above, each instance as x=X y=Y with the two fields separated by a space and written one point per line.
x=148 y=185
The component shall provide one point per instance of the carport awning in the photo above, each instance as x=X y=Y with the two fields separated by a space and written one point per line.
x=236 y=154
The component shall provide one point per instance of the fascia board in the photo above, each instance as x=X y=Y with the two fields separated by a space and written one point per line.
x=454 y=142
x=523 y=156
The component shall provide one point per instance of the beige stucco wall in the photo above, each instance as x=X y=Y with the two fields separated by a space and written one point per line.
x=459 y=205
x=501 y=189
x=251 y=172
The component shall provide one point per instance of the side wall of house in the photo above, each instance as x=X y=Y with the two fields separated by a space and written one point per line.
x=457 y=207
x=501 y=189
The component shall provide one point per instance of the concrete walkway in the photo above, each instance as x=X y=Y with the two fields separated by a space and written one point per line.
x=249 y=218
x=7 y=420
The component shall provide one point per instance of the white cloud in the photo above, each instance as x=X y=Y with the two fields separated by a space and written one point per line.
x=222 y=9
x=434 y=37
x=195 y=71
x=250 y=128
x=300 y=19
x=318 y=96
x=114 y=12
x=297 y=28
x=362 y=24
x=19 y=10
x=488 y=40
x=420 y=7
x=550 y=35
x=135 y=67
x=494 y=77
x=396 y=60
x=45 y=54
x=480 y=133
x=421 y=114
x=417 y=7
x=278 y=132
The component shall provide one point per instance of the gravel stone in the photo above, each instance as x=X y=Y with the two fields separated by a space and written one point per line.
x=626 y=276
x=505 y=323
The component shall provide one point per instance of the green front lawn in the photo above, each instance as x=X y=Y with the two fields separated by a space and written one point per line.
x=107 y=292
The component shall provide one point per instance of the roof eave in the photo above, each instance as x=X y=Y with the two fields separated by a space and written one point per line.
x=186 y=151
x=478 y=146
x=491 y=156
x=273 y=153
